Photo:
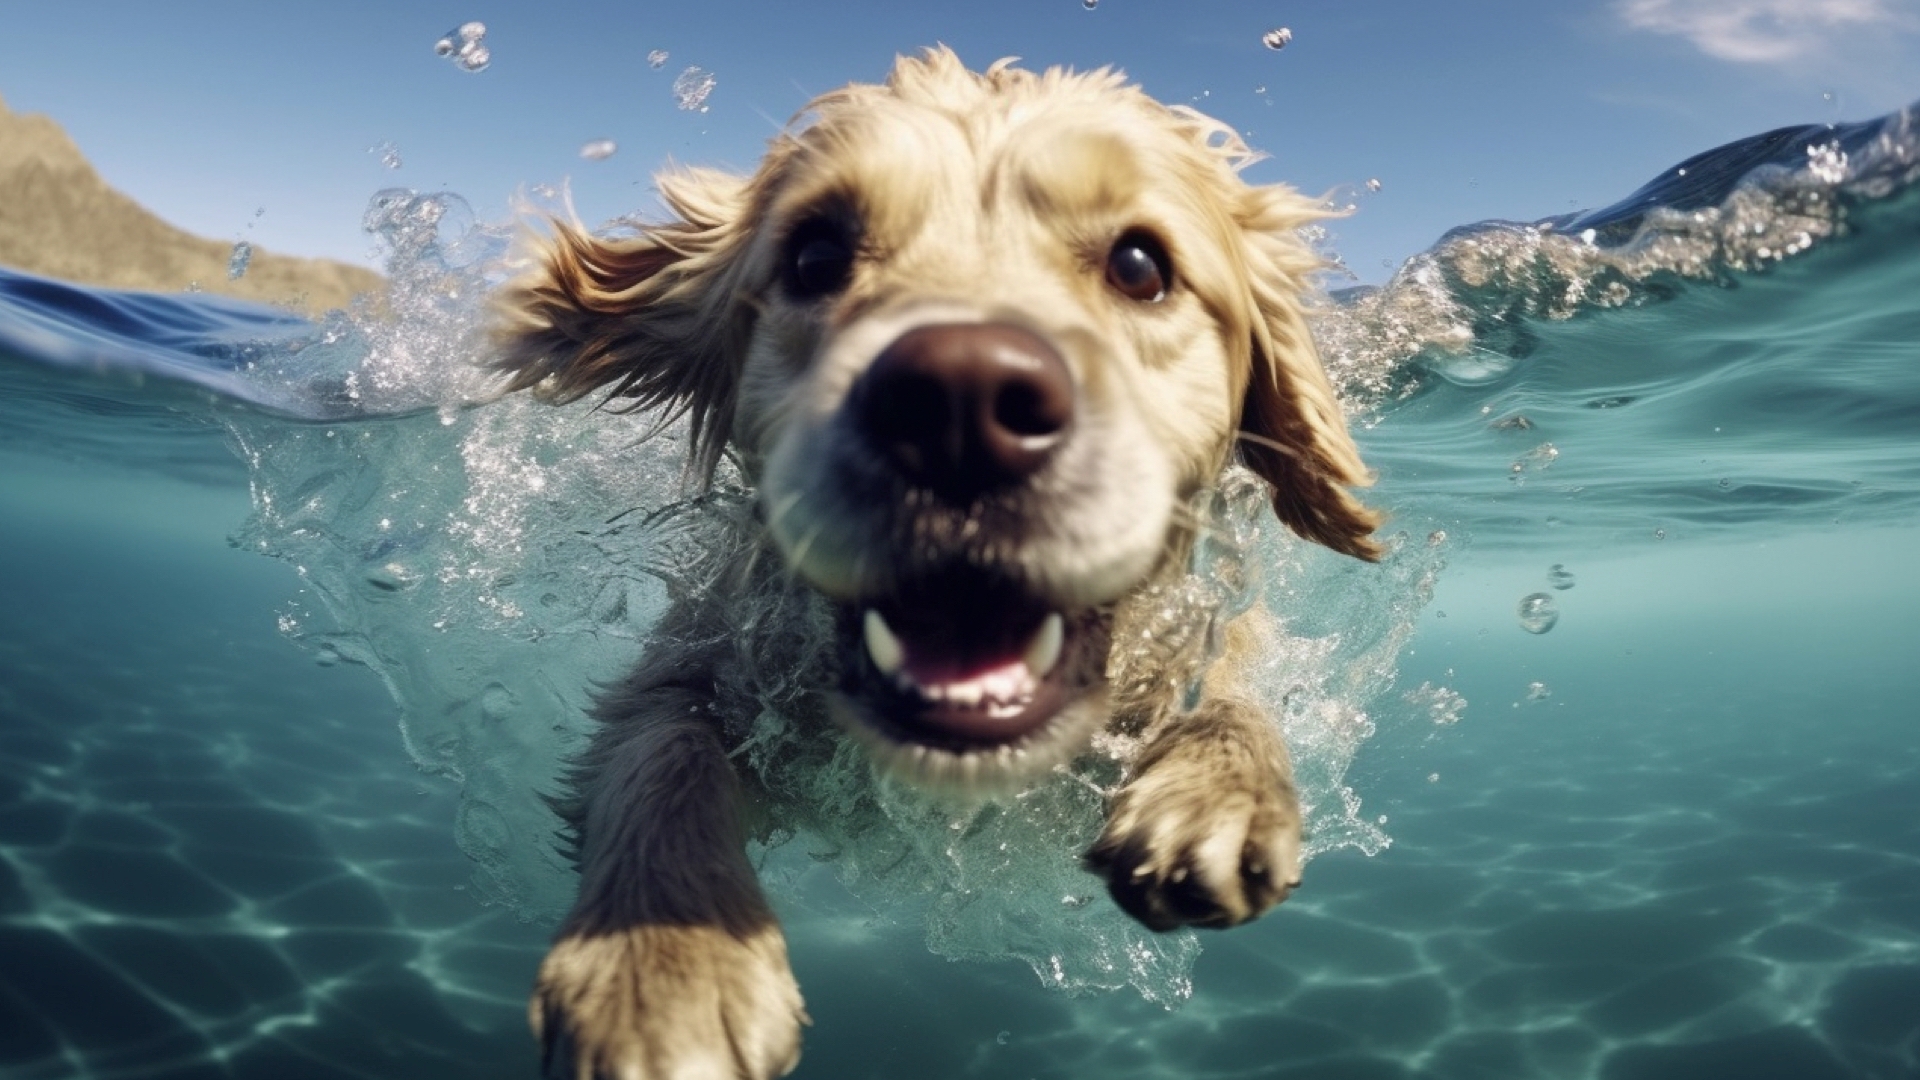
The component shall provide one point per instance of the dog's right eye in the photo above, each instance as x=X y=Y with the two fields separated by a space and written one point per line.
x=819 y=260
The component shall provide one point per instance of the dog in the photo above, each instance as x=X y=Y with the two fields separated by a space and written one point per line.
x=972 y=340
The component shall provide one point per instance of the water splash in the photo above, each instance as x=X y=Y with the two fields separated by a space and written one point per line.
x=1277 y=38
x=465 y=46
x=240 y=258
x=657 y=59
x=691 y=89
x=599 y=149
x=387 y=152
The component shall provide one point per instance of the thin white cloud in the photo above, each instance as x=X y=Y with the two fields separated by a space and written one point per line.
x=1765 y=31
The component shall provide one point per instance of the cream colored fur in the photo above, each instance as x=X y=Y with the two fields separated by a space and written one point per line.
x=987 y=197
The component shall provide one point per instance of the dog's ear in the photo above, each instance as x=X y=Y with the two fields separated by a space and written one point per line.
x=1292 y=431
x=652 y=316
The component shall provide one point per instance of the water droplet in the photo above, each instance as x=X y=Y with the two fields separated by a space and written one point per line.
x=599 y=149
x=388 y=153
x=463 y=45
x=1276 y=38
x=1089 y=4
x=691 y=87
x=1260 y=89
x=1537 y=691
x=1007 y=1036
x=1538 y=613
x=657 y=59
x=1373 y=184
x=241 y=258
x=1560 y=577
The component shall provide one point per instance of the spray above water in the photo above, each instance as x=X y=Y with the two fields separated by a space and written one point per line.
x=1277 y=38
x=691 y=88
x=465 y=46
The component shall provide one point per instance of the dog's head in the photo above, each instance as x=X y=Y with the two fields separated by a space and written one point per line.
x=976 y=337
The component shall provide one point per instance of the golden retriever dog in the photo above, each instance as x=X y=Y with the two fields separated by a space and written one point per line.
x=973 y=340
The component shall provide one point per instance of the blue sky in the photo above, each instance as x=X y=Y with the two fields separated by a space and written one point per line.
x=253 y=119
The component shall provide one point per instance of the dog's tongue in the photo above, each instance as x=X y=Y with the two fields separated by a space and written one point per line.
x=964 y=663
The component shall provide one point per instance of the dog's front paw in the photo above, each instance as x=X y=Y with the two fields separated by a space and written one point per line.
x=663 y=1002
x=1189 y=844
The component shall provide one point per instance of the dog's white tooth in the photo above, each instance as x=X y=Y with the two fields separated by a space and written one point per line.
x=965 y=693
x=1044 y=650
x=882 y=647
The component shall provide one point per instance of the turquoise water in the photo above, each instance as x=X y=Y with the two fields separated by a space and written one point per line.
x=275 y=816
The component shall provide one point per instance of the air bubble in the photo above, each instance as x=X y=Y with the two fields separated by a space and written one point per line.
x=1006 y=1037
x=1659 y=534
x=1560 y=577
x=464 y=46
x=599 y=149
x=1537 y=691
x=1538 y=613
x=691 y=87
x=1276 y=38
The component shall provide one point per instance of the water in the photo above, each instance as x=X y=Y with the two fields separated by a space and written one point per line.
x=267 y=817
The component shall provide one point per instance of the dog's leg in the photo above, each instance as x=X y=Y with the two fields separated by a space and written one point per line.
x=671 y=965
x=1207 y=831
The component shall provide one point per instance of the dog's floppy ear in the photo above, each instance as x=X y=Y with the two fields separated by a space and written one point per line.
x=1292 y=431
x=650 y=316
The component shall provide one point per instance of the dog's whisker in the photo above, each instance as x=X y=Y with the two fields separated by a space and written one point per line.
x=1270 y=444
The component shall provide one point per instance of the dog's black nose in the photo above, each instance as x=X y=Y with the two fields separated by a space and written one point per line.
x=964 y=408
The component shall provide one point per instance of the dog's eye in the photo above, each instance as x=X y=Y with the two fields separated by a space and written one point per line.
x=1139 y=268
x=819 y=260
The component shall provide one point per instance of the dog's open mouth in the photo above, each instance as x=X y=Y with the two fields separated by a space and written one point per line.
x=967 y=666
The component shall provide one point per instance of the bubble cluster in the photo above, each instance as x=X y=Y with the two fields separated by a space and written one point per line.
x=599 y=149
x=465 y=46
x=1442 y=705
x=1276 y=38
x=691 y=87
x=1538 y=613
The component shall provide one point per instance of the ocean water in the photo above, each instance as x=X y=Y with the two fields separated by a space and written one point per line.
x=1613 y=766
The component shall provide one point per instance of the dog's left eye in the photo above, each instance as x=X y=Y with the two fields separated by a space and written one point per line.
x=819 y=260
x=1139 y=268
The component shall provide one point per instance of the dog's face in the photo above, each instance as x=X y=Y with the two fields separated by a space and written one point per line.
x=977 y=338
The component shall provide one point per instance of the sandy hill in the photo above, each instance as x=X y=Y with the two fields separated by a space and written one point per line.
x=59 y=219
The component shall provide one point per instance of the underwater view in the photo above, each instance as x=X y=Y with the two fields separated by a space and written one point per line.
x=1604 y=765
